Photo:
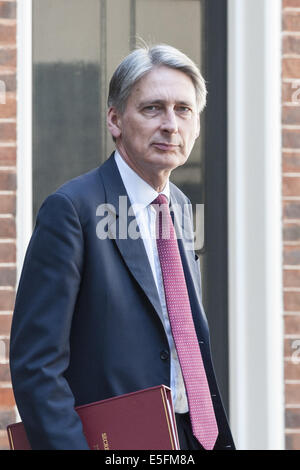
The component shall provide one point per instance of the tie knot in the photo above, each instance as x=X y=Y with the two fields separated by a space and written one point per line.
x=161 y=199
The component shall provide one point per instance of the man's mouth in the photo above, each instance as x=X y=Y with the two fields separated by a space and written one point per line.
x=164 y=146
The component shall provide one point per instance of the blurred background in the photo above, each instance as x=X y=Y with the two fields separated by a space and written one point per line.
x=56 y=60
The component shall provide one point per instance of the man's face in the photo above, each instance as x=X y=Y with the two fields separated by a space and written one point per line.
x=158 y=128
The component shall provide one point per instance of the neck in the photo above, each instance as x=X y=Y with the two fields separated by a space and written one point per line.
x=157 y=180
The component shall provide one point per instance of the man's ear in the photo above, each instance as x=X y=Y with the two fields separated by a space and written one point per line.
x=114 y=122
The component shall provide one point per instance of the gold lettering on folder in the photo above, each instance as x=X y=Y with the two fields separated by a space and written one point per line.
x=105 y=441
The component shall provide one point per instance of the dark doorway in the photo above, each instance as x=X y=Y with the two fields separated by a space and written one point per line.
x=76 y=47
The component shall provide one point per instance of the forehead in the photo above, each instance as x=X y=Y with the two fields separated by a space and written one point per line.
x=164 y=83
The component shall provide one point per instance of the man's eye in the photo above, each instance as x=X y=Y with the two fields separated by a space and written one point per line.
x=152 y=107
x=183 y=109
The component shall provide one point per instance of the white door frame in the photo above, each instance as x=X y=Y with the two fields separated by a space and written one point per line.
x=254 y=204
x=24 y=125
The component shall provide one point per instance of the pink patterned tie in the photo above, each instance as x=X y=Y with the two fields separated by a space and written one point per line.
x=201 y=409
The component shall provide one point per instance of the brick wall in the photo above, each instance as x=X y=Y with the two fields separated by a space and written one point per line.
x=7 y=203
x=291 y=215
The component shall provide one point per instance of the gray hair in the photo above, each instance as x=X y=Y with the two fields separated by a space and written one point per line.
x=141 y=61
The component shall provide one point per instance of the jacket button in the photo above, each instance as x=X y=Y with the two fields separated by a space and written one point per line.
x=164 y=355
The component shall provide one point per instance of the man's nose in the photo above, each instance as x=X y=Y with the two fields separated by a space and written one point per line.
x=169 y=122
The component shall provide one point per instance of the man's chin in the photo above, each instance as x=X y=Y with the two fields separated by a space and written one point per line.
x=169 y=161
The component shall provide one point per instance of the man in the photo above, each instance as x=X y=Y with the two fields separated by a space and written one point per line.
x=102 y=311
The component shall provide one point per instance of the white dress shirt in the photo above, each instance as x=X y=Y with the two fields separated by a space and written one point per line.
x=141 y=194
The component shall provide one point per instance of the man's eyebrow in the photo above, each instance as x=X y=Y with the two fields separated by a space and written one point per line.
x=142 y=104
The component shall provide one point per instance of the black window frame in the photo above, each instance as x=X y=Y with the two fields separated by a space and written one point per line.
x=215 y=253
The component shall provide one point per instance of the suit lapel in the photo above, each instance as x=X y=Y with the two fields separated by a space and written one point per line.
x=132 y=250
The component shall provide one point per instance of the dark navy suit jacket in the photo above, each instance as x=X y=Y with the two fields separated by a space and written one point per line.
x=86 y=324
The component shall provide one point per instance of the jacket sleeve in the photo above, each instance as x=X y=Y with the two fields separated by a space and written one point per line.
x=39 y=347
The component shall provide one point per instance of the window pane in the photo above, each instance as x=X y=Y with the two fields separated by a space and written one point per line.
x=66 y=92
x=76 y=47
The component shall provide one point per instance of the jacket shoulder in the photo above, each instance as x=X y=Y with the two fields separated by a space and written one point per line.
x=84 y=193
x=82 y=186
x=89 y=186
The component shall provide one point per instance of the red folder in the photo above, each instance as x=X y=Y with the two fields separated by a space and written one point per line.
x=142 y=420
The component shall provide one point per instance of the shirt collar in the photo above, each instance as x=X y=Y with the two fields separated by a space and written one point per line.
x=140 y=193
